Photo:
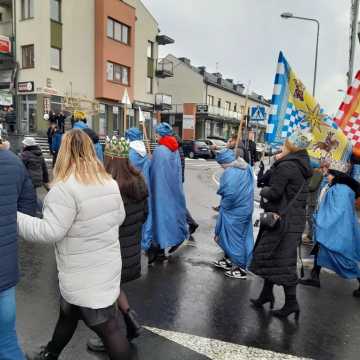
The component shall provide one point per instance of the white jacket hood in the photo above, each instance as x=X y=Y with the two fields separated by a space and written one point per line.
x=139 y=147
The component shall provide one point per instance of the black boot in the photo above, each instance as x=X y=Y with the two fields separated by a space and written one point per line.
x=356 y=293
x=43 y=354
x=266 y=296
x=314 y=279
x=153 y=254
x=133 y=328
x=291 y=305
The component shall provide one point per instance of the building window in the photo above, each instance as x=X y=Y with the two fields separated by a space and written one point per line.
x=118 y=73
x=228 y=105
x=28 y=57
x=150 y=50
x=219 y=103
x=149 y=85
x=27 y=9
x=235 y=107
x=56 y=59
x=118 y=31
x=55 y=10
x=1 y=17
x=210 y=100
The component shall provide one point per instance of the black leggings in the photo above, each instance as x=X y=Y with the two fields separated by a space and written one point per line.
x=109 y=332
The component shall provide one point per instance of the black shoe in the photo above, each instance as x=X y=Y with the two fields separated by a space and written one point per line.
x=193 y=228
x=356 y=293
x=262 y=300
x=216 y=208
x=133 y=328
x=287 y=310
x=310 y=282
x=153 y=254
x=44 y=354
x=95 y=344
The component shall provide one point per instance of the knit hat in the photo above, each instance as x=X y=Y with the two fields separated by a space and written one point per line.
x=339 y=166
x=164 y=129
x=133 y=134
x=29 y=141
x=300 y=139
x=225 y=156
x=116 y=147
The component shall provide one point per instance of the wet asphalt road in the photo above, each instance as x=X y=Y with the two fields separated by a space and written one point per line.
x=186 y=295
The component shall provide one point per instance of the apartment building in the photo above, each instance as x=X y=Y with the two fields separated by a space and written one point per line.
x=205 y=104
x=83 y=53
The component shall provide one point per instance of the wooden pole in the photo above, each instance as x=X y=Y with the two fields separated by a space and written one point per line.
x=125 y=118
x=146 y=138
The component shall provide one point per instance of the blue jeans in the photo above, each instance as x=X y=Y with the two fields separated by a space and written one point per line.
x=9 y=347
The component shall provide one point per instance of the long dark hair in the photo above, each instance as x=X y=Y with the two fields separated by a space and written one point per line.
x=131 y=183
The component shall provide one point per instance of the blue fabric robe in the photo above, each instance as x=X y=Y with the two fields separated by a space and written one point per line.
x=234 y=225
x=142 y=163
x=168 y=200
x=337 y=230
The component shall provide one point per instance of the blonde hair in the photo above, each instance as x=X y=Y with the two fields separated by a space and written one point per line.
x=77 y=157
x=291 y=147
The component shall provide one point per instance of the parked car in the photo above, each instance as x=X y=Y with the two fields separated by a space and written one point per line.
x=220 y=145
x=196 y=149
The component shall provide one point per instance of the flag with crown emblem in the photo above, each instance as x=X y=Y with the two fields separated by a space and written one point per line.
x=294 y=108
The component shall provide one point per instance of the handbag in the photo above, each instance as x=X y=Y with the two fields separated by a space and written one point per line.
x=269 y=219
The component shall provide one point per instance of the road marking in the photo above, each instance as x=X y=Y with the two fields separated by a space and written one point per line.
x=220 y=350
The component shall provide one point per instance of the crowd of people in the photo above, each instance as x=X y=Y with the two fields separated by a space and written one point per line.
x=98 y=249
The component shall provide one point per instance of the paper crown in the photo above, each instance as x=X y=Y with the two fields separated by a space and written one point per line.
x=340 y=166
x=79 y=115
x=300 y=139
x=117 y=147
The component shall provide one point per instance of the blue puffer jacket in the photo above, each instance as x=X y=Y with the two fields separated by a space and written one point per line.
x=16 y=194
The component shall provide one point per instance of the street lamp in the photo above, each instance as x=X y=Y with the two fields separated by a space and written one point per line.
x=288 y=15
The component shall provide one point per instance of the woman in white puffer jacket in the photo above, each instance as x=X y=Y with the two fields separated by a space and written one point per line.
x=82 y=215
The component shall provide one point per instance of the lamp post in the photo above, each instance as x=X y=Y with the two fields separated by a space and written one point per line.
x=288 y=15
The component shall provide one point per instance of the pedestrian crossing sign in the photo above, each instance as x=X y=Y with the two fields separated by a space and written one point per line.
x=258 y=113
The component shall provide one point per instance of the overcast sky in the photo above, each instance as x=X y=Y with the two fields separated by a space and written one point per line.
x=245 y=36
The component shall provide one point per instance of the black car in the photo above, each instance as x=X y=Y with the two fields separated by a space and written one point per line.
x=196 y=149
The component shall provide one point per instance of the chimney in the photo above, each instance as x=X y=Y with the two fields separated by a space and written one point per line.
x=239 y=88
x=185 y=60
x=202 y=70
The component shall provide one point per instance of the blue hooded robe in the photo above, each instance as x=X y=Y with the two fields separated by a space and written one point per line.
x=234 y=223
x=168 y=200
x=141 y=162
x=337 y=230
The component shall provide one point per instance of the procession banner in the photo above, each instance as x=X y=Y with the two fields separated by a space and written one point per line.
x=348 y=116
x=293 y=107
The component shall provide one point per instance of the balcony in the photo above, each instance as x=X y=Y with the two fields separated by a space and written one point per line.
x=164 y=69
x=218 y=112
x=6 y=28
x=7 y=3
x=164 y=40
x=163 y=102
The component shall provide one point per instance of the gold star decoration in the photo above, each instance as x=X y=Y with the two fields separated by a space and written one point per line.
x=315 y=117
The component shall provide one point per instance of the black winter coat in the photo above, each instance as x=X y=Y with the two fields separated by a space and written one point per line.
x=275 y=252
x=34 y=162
x=130 y=233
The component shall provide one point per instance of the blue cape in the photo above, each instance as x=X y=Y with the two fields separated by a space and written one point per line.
x=234 y=224
x=168 y=200
x=337 y=230
x=142 y=163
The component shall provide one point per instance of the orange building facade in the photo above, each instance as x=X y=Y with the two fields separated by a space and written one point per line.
x=114 y=49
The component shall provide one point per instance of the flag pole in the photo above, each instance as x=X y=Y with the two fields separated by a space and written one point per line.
x=239 y=135
x=142 y=121
x=125 y=118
